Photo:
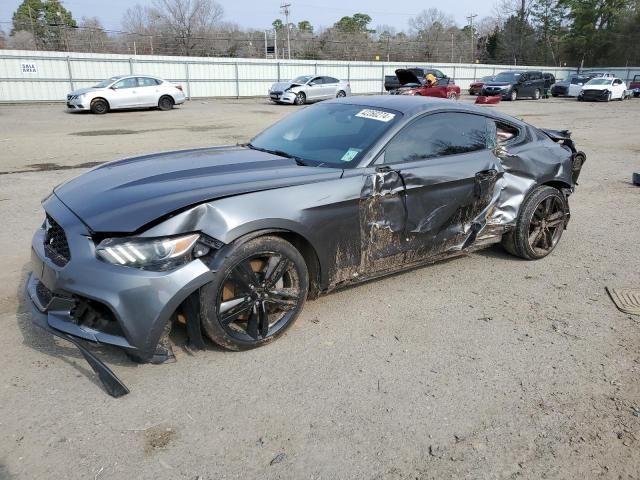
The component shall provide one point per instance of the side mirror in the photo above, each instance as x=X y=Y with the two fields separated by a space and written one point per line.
x=113 y=87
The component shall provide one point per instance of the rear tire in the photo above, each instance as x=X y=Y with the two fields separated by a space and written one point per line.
x=99 y=106
x=165 y=103
x=539 y=225
x=256 y=295
x=341 y=94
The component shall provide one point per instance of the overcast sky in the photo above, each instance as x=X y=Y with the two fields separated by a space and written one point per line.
x=260 y=13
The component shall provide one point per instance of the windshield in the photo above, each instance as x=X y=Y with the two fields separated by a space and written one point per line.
x=334 y=135
x=599 y=81
x=486 y=79
x=106 y=83
x=578 y=80
x=301 y=80
x=507 y=77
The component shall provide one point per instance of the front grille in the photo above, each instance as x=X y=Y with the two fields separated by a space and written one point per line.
x=276 y=92
x=595 y=94
x=44 y=294
x=56 y=246
x=72 y=97
x=559 y=90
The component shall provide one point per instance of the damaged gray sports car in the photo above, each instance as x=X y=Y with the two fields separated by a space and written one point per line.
x=233 y=240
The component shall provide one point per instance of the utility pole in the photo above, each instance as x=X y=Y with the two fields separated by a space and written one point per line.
x=285 y=9
x=33 y=31
x=470 y=18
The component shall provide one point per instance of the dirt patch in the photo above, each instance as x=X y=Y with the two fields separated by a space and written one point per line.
x=51 y=167
x=99 y=133
x=158 y=438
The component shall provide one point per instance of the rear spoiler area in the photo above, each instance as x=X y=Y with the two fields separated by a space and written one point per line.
x=563 y=137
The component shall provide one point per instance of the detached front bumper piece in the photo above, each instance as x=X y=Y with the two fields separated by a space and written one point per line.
x=112 y=384
x=78 y=297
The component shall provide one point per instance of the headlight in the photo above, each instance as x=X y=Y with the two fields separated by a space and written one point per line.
x=151 y=253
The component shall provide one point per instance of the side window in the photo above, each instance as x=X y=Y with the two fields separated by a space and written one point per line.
x=524 y=77
x=126 y=83
x=439 y=135
x=316 y=81
x=505 y=132
x=330 y=80
x=147 y=82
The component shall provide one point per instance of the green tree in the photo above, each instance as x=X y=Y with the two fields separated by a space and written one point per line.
x=277 y=24
x=354 y=24
x=305 y=26
x=47 y=20
x=547 y=18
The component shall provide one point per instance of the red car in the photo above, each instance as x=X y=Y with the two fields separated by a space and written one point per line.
x=476 y=87
x=412 y=85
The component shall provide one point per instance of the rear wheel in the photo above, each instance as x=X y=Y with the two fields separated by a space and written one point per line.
x=257 y=294
x=165 y=103
x=540 y=223
x=452 y=96
x=341 y=94
x=99 y=106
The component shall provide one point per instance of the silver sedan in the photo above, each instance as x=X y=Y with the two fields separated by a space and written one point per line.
x=308 y=88
x=127 y=91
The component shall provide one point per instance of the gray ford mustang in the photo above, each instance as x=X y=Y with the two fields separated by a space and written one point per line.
x=231 y=241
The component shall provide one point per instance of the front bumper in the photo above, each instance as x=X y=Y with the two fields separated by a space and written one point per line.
x=594 y=95
x=138 y=303
x=503 y=93
x=282 y=97
x=77 y=102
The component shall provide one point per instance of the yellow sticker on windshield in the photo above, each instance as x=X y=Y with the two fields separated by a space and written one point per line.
x=378 y=115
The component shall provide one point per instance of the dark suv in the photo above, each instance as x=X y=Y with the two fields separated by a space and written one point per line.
x=513 y=85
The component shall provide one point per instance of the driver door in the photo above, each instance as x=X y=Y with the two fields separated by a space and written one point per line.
x=314 y=89
x=429 y=192
x=124 y=93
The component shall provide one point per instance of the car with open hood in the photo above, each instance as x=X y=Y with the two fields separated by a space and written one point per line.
x=603 y=89
x=411 y=84
x=233 y=240
x=309 y=88
x=126 y=92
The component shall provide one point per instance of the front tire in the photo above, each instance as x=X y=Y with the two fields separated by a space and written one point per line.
x=536 y=94
x=514 y=95
x=539 y=225
x=300 y=99
x=257 y=294
x=99 y=106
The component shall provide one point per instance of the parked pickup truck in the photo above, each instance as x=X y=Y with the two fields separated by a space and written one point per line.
x=634 y=86
x=391 y=82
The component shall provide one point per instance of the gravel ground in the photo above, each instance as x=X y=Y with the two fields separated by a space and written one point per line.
x=480 y=367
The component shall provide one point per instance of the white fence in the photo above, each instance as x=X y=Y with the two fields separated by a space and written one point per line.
x=32 y=76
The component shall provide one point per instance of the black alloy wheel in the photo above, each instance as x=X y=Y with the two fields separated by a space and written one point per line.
x=540 y=223
x=260 y=292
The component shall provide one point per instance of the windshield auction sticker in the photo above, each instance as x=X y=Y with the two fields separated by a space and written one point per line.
x=378 y=115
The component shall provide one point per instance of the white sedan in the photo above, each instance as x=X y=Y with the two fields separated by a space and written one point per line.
x=603 y=89
x=309 y=88
x=127 y=91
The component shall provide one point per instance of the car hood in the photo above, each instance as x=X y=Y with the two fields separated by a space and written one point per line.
x=126 y=195
x=596 y=87
x=282 y=86
x=497 y=84
x=80 y=91
x=407 y=77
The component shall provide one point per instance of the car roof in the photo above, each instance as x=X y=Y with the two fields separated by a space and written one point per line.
x=410 y=105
